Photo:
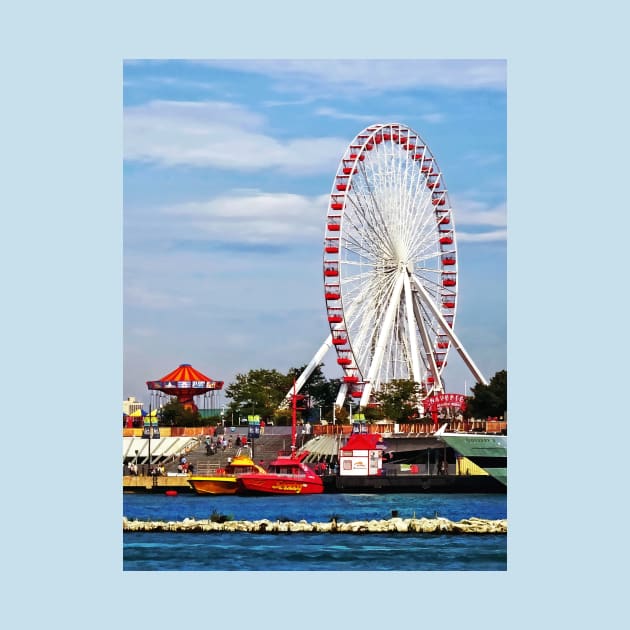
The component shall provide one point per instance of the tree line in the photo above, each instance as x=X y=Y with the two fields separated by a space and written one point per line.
x=261 y=392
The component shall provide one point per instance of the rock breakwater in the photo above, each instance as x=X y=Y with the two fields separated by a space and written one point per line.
x=437 y=525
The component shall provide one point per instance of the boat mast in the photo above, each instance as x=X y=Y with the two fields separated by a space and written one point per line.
x=293 y=420
x=294 y=398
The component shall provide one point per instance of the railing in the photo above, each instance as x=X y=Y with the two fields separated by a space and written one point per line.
x=416 y=429
x=420 y=428
x=207 y=468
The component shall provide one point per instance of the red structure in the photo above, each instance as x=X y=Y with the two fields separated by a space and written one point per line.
x=185 y=383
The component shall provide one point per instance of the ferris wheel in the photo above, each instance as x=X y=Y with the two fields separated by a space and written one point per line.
x=390 y=265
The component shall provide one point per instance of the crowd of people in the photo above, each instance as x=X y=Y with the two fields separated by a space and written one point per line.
x=213 y=445
x=185 y=467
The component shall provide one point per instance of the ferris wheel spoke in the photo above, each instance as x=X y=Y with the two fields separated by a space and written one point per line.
x=364 y=223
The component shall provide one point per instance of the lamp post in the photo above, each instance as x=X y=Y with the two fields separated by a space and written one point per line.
x=350 y=407
x=147 y=433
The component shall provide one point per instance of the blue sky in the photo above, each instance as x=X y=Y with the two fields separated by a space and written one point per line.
x=227 y=170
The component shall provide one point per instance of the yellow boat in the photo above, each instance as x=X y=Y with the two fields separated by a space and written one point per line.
x=223 y=481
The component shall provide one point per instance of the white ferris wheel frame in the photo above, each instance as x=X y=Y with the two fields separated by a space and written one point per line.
x=390 y=266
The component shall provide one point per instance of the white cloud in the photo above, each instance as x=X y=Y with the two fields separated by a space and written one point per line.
x=254 y=217
x=481 y=237
x=330 y=112
x=219 y=135
x=155 y=299
x=375 y=76
x=435 y=117
x=473 y=212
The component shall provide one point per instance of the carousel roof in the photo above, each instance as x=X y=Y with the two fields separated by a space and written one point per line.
x=185 y=376
x=185 y=372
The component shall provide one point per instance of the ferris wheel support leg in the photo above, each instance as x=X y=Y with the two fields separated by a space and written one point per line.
x=379 y=351
x=308 y=370
x=457 y=344
x=438 y=387
x=341 y=396
x=415 y=352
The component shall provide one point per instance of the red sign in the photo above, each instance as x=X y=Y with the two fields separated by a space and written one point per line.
x=438 y=401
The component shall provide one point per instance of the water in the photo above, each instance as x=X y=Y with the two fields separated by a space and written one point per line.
x=314 y=552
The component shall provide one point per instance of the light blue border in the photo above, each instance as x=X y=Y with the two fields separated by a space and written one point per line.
x=63 y=302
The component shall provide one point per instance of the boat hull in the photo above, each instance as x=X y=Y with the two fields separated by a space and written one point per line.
x=279 y=484
x=223 y=481
x=214 y=485
x=489 y=452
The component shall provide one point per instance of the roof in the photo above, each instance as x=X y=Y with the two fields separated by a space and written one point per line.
x=363 y=442
x=185 y=372
x=185 y=377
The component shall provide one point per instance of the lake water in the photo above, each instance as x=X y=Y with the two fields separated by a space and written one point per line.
x=173 y=551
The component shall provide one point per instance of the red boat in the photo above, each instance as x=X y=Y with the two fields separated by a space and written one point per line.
x=287 y=474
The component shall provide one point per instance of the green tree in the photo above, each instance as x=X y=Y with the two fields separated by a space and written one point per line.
x=259 y=392
x=399 y=400
x=174 y=414
x=374 y=413
x=319 y=391
x=342 y=416
x=488 y=400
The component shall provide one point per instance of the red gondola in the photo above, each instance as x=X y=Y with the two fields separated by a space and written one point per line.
x=448 y=260
x=332 y=246
x=350 y=379
x=334 y=227
x=344 y=361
